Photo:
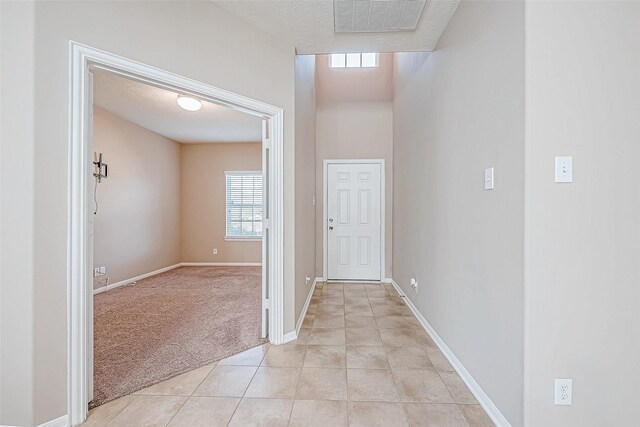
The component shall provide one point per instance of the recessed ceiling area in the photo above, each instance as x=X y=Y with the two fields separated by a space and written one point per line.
x=317 y=27
x=376 y=16
x=157 y=109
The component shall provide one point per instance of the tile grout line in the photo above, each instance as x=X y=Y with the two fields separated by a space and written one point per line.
x=119 y=412
x=245 y=390
x=191 y=395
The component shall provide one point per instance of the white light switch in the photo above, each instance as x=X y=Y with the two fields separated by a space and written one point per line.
x=564 y=169
x=488 y=179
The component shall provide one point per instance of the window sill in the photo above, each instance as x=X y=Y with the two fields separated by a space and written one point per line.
x=243 y=239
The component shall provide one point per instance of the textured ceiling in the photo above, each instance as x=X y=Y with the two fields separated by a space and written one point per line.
x=309 y=26
x=156 y=109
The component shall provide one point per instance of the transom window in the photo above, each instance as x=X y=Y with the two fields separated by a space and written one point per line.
x=353 y=60
x=244 y=205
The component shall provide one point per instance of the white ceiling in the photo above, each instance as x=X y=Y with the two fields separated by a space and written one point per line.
x=156 y=109
x=309 y=25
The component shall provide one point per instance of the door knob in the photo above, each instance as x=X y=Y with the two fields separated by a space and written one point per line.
x=331 y=227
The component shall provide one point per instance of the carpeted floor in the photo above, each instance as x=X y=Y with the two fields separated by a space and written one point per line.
x=172 y=323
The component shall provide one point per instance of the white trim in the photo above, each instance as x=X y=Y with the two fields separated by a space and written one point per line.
x=487 y=404
x=171 y=267
x=221 y=264
x=289 y=336
x=134 y=279
x=79 y=277
x=242 y=239
x=303 y=313
x=62 y=421
x=383 y=208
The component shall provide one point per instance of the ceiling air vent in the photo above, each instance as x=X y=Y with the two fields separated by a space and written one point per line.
x=376 y=16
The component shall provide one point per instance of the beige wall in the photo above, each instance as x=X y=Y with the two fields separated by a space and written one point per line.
x=164 y=202
x=583 y=238
x=458 y=111
x=193 y=39
x=204 y=201
x=359 y=130
x=305 y=77
x=137 y=227
x=355 y=84
x=17 y=62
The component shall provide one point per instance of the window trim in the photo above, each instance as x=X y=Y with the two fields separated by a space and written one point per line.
x=232 y=238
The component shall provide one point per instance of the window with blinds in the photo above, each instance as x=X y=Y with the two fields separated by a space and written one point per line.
x=244 y=204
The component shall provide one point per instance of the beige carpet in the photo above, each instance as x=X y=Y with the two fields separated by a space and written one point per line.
x=172 y=323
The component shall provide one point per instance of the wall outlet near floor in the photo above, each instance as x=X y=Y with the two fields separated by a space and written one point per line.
x=307 y=280
x=563 y=391
x=414 y=284
x=215 y=251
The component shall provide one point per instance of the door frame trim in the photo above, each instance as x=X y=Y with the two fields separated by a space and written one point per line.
x=325 y=189
x=81 y=58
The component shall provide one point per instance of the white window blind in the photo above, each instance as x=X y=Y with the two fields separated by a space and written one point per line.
x=244 y=204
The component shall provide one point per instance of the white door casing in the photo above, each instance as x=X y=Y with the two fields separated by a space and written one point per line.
x=354 y=220
x=79 y=263
x=90 y=246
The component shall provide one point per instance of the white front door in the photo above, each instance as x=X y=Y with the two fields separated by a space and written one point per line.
x=354 y=219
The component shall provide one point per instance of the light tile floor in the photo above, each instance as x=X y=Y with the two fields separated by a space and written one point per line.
x=362 y=359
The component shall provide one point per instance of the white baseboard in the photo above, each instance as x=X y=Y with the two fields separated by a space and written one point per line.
x=490 y=408
x=306 y=306
x=134 y=279
x=171 y=267
x=221 y=264
x=289 y=336
x=62 y=421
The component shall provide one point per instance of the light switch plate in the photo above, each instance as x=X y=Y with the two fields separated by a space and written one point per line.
x=564 y=169
x=488 y=179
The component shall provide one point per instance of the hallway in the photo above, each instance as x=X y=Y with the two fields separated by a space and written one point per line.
x=361 y=359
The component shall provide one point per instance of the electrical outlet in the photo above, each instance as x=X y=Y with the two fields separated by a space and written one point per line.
x=563 y=391
x=414 y=284
x=96 y=272
x=307 y=280
x=215 y=251
x=103 y=270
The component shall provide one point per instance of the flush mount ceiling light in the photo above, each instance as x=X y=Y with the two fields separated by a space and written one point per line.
x=188 y=103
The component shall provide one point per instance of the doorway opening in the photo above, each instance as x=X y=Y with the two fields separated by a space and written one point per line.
x=81 y=169
x=176 y=235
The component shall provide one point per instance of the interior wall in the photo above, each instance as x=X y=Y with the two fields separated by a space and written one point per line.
x=17 y=119
x=456 y=112
x=374 y=84
x=305 y=176
x=583 y=238
x=355 y=130
x=137 y=225
x=194 y=39
x=354 y=120
x=203 y=190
